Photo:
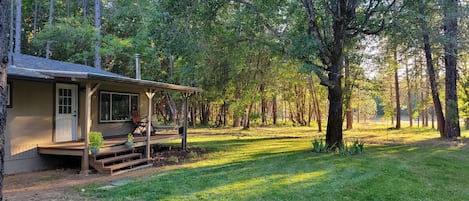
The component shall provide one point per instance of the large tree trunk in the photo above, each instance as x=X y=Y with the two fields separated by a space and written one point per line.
x=396 y=87
x=18 y=27
x=97 y=25
x=452 y=129
x=334 y=120
x=433 y=86
x=431 y=73
x=3 y=84
x=409 y=97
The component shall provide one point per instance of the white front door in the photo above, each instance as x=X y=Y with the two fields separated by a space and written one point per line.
x=66 y=116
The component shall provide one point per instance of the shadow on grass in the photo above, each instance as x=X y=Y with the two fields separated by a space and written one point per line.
x=270 y=169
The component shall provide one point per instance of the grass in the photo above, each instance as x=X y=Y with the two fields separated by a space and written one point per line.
x=278 y=164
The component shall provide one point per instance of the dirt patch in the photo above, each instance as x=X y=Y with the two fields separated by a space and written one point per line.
x=168 y=155
x=67 y=184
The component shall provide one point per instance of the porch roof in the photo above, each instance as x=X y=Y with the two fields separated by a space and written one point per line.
x=41 y=68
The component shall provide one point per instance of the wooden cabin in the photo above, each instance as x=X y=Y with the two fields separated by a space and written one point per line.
x=53 y=105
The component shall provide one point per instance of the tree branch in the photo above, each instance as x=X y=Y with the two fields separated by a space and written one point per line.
x=262 y=18
x=314 y=32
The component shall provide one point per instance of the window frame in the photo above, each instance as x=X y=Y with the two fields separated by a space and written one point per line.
x=111 y=93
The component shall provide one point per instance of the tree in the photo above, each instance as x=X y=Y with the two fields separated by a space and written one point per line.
x=3 y=84
x=331 y=28
x=450 y=24
x=430 y=67
x=396 y=87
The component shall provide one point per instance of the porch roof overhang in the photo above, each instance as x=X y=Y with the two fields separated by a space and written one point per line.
x=31 y=67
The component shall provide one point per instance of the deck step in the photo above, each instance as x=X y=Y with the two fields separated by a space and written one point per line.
x=114 y=151
x=119 y=158
x=129 y=164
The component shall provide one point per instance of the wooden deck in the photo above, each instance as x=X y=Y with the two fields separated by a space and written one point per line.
x=76 y=148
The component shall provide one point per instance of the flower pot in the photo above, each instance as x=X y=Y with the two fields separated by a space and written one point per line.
x=94 y=150
x=129 y=144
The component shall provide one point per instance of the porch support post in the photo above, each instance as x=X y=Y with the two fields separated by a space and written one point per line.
x=150 y=93
x=85 y=162
x=184 y=133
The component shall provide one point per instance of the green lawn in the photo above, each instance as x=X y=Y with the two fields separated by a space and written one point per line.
x=277 y=164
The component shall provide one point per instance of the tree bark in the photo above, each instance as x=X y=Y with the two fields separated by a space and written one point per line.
x=3 y=84
x=396 y=87
x=431 y=73
x=12 y=26
x=97 y=25
x=450 y=18
x=18 y=27
x=334 y=120
x=204 y=114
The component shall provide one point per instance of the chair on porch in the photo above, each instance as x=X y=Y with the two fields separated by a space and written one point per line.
x=140 y=124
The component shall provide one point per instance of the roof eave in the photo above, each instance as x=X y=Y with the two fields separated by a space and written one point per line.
x=146 y=83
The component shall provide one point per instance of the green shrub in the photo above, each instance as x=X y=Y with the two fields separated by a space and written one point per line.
x=344 y=149
x=320 y=146
x=193 y=155
x=173 y=159
x=96 y=140
x=356 y=147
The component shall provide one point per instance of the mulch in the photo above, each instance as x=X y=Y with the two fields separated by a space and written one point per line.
x=169 y=155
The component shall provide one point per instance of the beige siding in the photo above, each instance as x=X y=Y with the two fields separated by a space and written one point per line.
x=111 y=129
x=29 y=123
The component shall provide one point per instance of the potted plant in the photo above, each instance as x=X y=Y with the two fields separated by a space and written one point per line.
x=130 y=140
x=96 y=141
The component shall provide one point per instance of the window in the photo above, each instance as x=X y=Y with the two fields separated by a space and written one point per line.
x=8 y=95
x=117 y=107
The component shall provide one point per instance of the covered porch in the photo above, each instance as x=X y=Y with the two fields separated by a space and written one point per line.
x=78 y=148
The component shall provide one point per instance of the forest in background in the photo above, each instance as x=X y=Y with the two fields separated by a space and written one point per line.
x=259 y=62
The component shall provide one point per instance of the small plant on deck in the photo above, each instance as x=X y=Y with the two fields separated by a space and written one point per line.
x=96 y=141
x=130 y=140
